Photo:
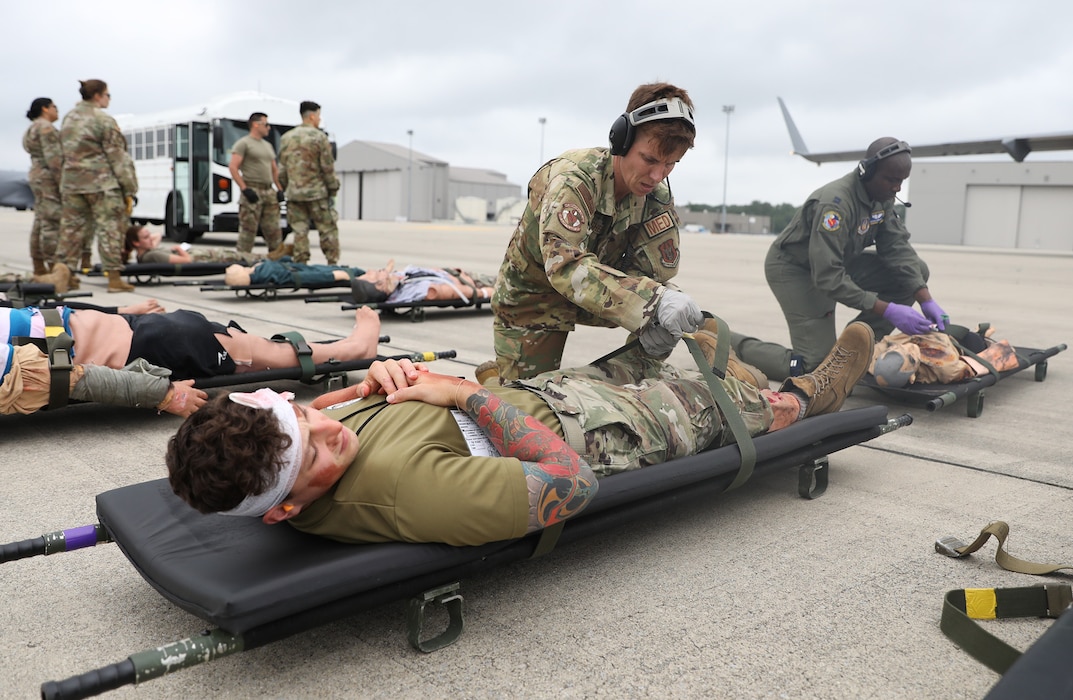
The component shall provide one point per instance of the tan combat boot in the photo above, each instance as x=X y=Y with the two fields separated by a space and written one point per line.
x=284 y=249
x=59 y=278
x=708 y=336
x=486 y=372
x=116 y=283
x=40 y=268
x=87 y=262
x=828 y=385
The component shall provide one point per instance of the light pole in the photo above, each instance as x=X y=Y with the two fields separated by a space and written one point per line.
x=410 y=178
x=728 y=110
x=543 y=121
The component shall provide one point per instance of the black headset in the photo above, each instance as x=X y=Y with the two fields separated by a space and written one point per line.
x=866 y=169
x=624 y=129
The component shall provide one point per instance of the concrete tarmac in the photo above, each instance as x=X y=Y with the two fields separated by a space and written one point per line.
x=754 y=594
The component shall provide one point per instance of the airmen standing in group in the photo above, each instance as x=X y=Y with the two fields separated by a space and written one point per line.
x=253 y=168
x=307 y=173
x=42 y=142
x=98 y=185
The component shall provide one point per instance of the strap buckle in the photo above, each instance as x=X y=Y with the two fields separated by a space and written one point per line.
x=1059 y=598
x=949 y=546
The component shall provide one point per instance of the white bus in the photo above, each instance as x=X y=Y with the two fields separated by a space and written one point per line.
x=181 y=157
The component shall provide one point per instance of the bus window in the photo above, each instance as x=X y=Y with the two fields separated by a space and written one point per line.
x=232 y=131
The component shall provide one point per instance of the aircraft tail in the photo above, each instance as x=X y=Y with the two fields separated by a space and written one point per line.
x=795 y=136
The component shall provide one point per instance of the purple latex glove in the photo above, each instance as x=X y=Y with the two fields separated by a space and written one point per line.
x=934 y=312
x=907 y=319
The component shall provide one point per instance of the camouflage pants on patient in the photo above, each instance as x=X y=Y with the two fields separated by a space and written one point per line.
x=635 y=411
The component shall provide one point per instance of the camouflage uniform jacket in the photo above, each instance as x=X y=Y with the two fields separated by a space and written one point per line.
x=42 y=142
x=95 y=157
x=608 y=259
x=306 y=166
x=837 y=224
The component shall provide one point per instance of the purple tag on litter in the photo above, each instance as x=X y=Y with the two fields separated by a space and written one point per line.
x=79 y=537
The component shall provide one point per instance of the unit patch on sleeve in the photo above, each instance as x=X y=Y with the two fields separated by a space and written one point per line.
x=571 y=218
x=669 y=253
x=831 y=220
x=658 y=225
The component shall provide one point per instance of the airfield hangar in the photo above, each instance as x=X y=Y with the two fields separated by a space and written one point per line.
x=389 y=182
x=1027 y=205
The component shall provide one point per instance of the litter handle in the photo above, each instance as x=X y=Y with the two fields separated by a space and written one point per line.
x=90 y=683
x=21 y=550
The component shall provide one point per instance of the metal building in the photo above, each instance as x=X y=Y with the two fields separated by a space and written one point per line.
x=388 y=182
x=489 y=185
x=992 y=204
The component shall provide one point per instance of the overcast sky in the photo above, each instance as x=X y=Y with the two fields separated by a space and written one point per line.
x=472 y=79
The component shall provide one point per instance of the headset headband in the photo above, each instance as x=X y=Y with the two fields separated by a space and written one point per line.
x=668 y=108
x=888 y=151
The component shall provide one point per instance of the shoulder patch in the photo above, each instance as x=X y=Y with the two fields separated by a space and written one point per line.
x=669 y=253
x=831 y=220
x=658 y=225
x=571 y=218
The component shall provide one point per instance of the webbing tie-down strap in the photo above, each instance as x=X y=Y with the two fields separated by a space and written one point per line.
x=57 y=346
x=961 y=607
x=955 y=548
x=730 y=413
x=550 y=535
x=301 y=347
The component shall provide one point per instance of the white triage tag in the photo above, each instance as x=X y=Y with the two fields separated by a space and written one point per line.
x=478 y=442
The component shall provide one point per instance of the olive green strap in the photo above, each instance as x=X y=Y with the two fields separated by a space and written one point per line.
x=301 y=347
x=730 y=411
x=955 y=548
x=961 y=607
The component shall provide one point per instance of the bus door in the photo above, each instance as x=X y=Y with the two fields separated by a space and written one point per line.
x=200 y=176
x=177 y=207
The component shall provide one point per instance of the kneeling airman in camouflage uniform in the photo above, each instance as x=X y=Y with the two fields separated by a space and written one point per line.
x=598 y=242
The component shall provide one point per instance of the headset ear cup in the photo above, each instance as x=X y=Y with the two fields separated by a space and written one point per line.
x=864 y=169
x=621 y=136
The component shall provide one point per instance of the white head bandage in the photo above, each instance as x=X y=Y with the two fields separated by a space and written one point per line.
x=257 y=505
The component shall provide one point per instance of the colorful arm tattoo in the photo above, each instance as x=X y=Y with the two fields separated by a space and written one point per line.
x=559 y=481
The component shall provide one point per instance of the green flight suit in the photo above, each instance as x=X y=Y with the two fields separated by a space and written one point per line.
x=824 y=256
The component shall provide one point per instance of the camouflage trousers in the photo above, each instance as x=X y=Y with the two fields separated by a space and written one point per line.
x=45 y=234
x=318 y=214
x=224 y=255
x=263 y=215
x=633 y=411
x=103 y=214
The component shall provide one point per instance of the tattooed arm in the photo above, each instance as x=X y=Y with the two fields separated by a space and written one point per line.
x=558 y=480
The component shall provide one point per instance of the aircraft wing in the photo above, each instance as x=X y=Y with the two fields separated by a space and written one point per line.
x=1017 y=147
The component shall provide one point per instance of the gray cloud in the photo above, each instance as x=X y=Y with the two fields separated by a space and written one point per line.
x=472 y=78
